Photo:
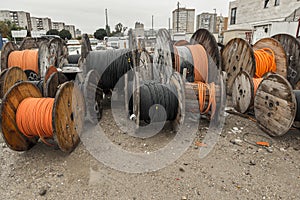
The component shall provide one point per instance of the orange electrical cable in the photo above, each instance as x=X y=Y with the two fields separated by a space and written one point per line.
x=265 y=62
x=202 y=89
x=26 y=60
x=256 y=82
x=34 y=118
x=200 y=62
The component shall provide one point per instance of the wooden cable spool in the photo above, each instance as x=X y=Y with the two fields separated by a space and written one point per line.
x=208 y=41
x=9 y=77
x=93 y=96
x=163 y=58
x=6 y=50
x=279 y=52
x=67 y=116
x=53 y=83
x=292 y=49
x=243 y=92
x=32 y=43
x=275 y=105
x=181 y=43
x=237 y=56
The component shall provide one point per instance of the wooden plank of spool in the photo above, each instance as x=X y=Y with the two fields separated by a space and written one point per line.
x=145 y=66
x=243 y=92
x=9 y=77
x=45 y=59
x=85 y=46
x=56 y=48
x=280 y=55
x=237 y=56
x=163 y=58
x=93 y=96
x=11 y=134
x=275 y=105
x=6 y=50
x=292 y=49
x=68 y=116
x=208 y=41
x=53 y=84
x=29 y=43
x=177 y=81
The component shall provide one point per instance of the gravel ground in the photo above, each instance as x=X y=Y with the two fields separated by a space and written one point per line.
x=234 y=169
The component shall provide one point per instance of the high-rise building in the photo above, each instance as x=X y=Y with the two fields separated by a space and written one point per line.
x=183 y=20
x=20 y=18
x=71 y=29
x=207 y=21
x=39 y=24
x=58 y=25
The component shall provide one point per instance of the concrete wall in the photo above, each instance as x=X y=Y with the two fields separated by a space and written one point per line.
x=253 y=11
x=186 y=20
x=231 y=34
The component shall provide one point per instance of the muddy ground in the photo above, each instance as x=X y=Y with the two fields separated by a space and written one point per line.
x=234 y=169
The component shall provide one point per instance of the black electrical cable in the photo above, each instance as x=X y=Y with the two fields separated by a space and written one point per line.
x=111 y=65
x=154 y=94
x=297 y=95
x=186 y=61
x=73 y=59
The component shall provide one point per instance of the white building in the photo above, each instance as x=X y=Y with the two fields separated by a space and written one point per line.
x=183 y=20
x=71 y=29
x=207 y=21
x=263 y=18
x=58 y=25
x=39 y=23
x=20 y=18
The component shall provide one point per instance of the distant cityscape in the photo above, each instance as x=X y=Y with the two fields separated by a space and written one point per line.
x=250 y=21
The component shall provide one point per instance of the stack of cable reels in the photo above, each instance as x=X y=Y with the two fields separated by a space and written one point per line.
x=63 y=123
x=33 y=57
x=244 y=85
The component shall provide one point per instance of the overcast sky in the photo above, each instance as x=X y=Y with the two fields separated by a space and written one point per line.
x=88 y=15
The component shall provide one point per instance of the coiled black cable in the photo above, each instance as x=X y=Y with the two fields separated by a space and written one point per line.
x=153 y=93
x=73 y=59
x=111 y=65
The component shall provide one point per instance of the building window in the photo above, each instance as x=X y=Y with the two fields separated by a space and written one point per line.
x=233 y=16
x=266 y=3
x=277 y=2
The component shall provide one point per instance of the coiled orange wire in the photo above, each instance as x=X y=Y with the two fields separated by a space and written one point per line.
x=26 y=60
x=265 y=62
x=256 y=83
x=203 y=88
x=34 y=118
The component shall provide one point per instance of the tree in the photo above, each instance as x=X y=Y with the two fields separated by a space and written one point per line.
x=119 y=30
x=65 y=34
x=52 y=32
x=100 y=34
x=6 y=27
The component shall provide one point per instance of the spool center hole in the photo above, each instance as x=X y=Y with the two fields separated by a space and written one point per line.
x=241 y=92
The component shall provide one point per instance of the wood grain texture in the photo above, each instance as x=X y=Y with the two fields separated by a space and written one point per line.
x=9 y=77
x=237 y=56
x=275 y=105
x=243 y=92
x=53 y=84
x=292 y=49
x=11 y=134
x=68 y=116
x=45 y=59
x=6 y=50
x=280 y=55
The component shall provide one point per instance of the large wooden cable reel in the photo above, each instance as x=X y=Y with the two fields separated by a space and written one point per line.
x=6 y=50
x=279 y=52
x=208 y=41
x=67 y=116
x=237 y=56
x=163 y=57
x=292 y=49
x=9 y=77
x=275 y=105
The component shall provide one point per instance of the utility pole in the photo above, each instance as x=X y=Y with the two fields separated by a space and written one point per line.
x=178 y=16
x=107 y=27
x=152 y=32
x=170 y=25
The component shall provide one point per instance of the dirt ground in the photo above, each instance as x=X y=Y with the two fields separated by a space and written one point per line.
x=234 y=169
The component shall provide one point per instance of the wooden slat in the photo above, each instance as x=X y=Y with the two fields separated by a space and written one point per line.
x=275 y=105
x=237 y=56
x=6 y=50
x=243 y=92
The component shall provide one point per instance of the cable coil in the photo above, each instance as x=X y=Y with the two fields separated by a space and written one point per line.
x=26 y=60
